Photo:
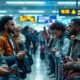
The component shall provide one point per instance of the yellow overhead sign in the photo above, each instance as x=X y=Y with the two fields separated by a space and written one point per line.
x=73 y=11
x=63 y=11
x=27 y=18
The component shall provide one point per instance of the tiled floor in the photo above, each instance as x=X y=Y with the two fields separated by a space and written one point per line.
x=39 y=71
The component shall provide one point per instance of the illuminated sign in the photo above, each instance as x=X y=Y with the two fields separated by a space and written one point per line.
x=27 y=18
x=78 y=12
x=45 y=19
x=68 y=12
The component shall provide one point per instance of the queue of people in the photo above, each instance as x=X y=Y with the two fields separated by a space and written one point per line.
x=63 y=50
x=15 y=46
x=59 y=49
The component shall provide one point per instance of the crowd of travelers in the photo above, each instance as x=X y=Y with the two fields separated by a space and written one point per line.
x=62 y=47
x=59 y=49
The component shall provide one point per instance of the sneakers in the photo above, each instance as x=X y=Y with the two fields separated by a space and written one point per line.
x=52 y=76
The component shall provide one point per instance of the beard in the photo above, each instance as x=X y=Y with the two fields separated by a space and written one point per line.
x=73 y=32
x=11 y=31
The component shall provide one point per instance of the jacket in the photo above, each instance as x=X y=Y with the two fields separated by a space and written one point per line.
x=75 y=52
x=6 y=48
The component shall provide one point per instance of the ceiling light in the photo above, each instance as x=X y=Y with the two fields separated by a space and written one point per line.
x=54 y=11
x=15 y=2
x=78 y=2
x=33 y=15
x=3 y=11
x=66 y=2
x=31 y=11
x=35 y=2
x=2 y=15
x=25 y=2
x=5 y=15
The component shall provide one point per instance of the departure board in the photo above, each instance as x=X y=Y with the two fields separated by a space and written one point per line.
x=69 y=12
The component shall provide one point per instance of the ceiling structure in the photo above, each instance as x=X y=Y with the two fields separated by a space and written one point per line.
x=44 y=7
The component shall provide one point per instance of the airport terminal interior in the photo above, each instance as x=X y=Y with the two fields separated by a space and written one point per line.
x=39 y=39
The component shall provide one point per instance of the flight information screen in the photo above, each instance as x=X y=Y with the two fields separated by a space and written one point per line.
x=45 y=19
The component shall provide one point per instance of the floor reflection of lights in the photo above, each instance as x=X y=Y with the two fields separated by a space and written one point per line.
x=37 y=60
x=38 y=69
x=39 y=77
x=38 y=64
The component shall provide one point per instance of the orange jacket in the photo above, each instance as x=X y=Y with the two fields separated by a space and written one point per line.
x=5 y=45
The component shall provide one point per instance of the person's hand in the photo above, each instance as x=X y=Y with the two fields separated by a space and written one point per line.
x=66 y=65
x=53 y=50
x=4 y=71
x=69 y=58
x=31 y=46
x=48 y=44
x=72 y=36
x=20 y=55
x=19 y=41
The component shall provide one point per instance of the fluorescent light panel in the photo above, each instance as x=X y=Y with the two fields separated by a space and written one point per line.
x=54 y=11
x=5 y=15
x=35 y=2
x=78 y=2
x=31 y=11
x=2 y=15
x=66 y=2
x=15 y=2
x=25 y=2
x=33 y=15
x=3 y=11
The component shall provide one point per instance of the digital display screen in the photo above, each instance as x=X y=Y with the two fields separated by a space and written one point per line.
x=68 y=12
x=45 y=19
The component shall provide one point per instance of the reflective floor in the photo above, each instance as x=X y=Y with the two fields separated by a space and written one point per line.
x=39 y=71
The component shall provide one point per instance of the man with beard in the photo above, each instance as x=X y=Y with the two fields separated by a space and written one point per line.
x=73 y=65
x=9 y=49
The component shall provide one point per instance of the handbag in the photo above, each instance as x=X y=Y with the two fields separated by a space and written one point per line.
x=24 y=65
x=30 y=59
x=74 y=75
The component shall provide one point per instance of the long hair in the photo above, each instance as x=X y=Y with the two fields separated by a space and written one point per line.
x=57 y=26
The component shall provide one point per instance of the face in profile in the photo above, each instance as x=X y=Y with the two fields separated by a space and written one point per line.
x=57 y=33
x=10 y=26
x=72 y=28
